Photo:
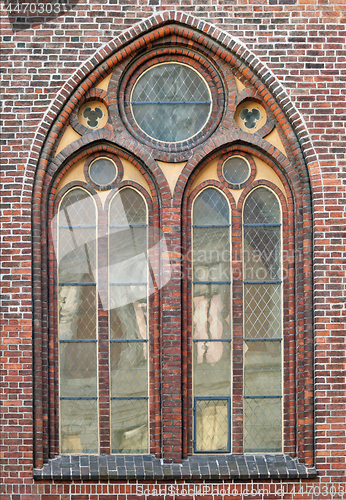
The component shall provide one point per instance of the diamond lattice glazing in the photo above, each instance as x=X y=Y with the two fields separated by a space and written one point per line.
x=210 y=207
x=128 y=207
x=129 y=369
x=211 y=254
x=129 y=426
x=236 y=170
x=262 y=429
x=212 y=374
x=212 y=425
x=262 y=253
x=77 y=312
x=262 y=311
x=171 y=102
x=77 y=209
x=262 y=207
x=262 y=368
x=79 y=428
x=78 y=369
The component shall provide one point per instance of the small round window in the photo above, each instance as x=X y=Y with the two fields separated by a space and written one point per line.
x=103 y=171
x=171 y=102
x=236 y=170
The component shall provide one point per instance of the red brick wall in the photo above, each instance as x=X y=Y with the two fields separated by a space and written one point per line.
x=301 y=43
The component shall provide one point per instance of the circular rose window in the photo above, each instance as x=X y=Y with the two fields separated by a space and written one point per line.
x=171 y=102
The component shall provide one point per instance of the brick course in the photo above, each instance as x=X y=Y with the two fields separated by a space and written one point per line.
x=292 y=50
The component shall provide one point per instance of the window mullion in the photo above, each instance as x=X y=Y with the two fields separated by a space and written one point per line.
x=103 y=321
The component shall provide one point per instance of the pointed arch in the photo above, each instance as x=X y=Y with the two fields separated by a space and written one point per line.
x=293 y=161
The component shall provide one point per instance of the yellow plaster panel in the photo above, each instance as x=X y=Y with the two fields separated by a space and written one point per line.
x=275 y=140
x=104 y=84
x=75 y=173
x=132 y=174
x=208 y=173
x=171 y=171
x=264 y=171
x=236 y=193
x=68 y=138
x=239 y=85
x=103 y=195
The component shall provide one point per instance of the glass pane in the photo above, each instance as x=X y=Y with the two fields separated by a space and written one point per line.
x=78 y=369
x=262 y=253
x=211 y=312
x=128 y=207
x=129 y=426
x=262 y=425
x=129 y=369
x=262 y=311
x=210 y=207
x=211 y=254
x=77 y=255
x=102 y=171
x=212 y=373
x=79 y=429
x=77 y=209
x=77 y=312
x=262 y=368
x=212 y=425
x=128 y=315
x=236 y=170
x=171 y=102
x=128 y=255
x=262 y=207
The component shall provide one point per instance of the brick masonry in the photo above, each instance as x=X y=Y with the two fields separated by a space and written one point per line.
x=297 y=49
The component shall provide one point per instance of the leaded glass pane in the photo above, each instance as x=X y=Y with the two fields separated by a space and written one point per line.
x=77 y=312
x=212 y=425
x=211 y=311
x=211 y=254
x=262 y=429
x=262 y=311
x=77 y=209
x=262 y=207
x=77 y=254
x=262 y=368
x=129 y=369
x=128 y=314
x=79 y=427
x=212 y=374
x=210 y=207
x=128 y=255
x=171 y=102
x=236 y=170
x=262 y=253
x=127 y=207
x=78 y=369
x=129 y=426
x=102 y=171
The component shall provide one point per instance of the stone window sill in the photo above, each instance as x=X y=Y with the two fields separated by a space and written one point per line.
x=146 y=467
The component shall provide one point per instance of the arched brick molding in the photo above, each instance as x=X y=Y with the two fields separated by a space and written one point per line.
x=296 y=170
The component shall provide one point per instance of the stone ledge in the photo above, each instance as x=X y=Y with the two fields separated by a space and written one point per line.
x=147 y=467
